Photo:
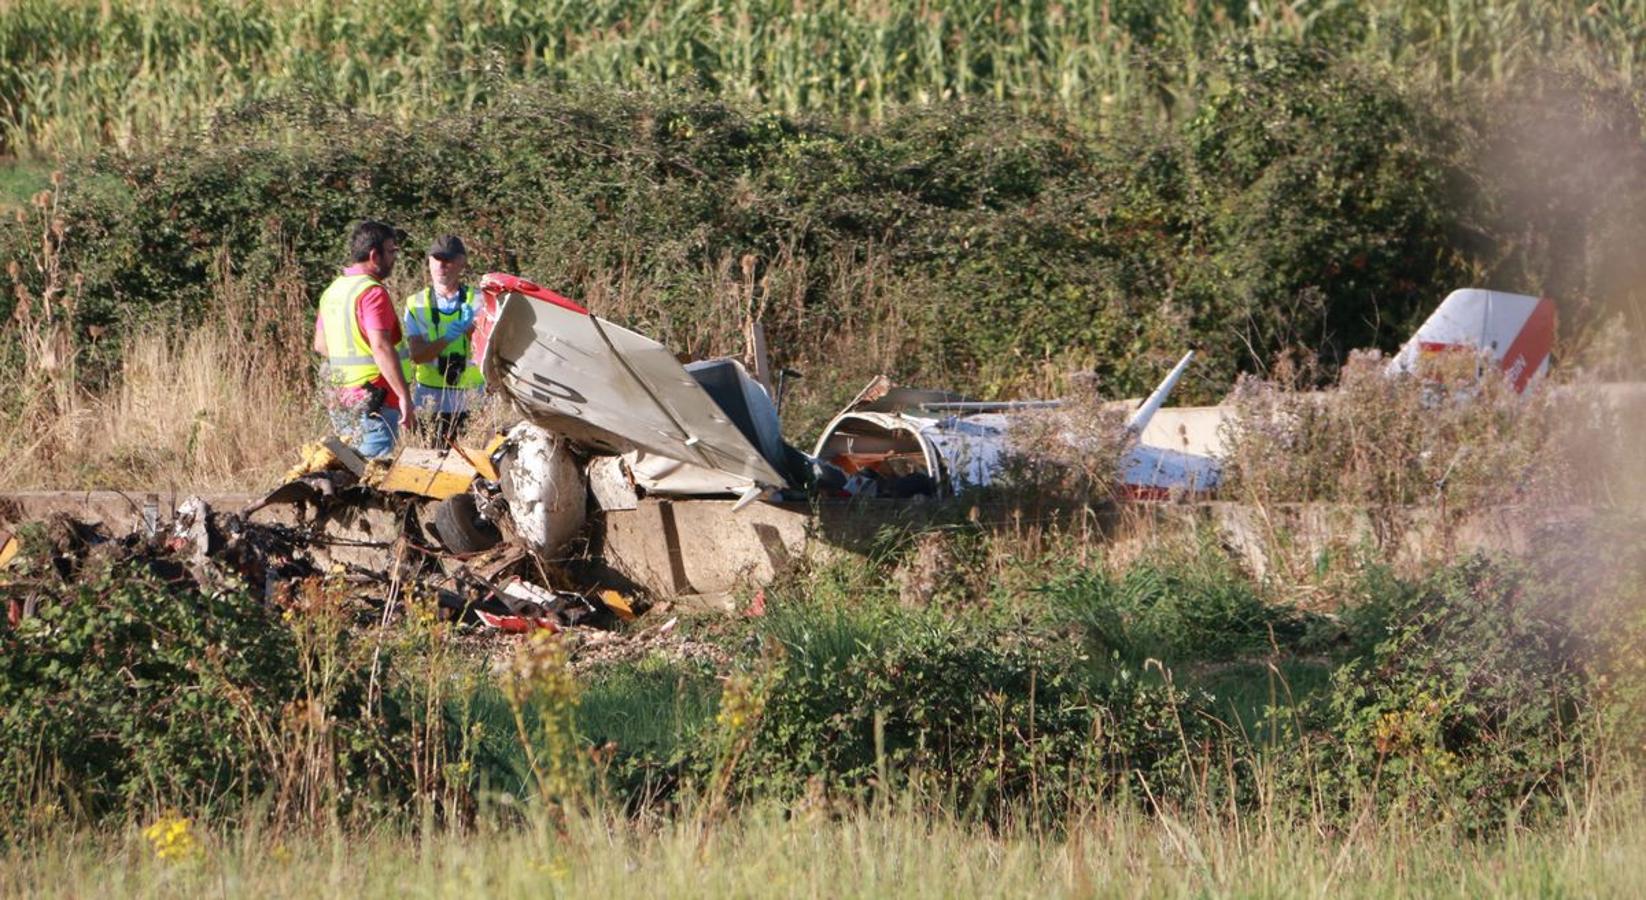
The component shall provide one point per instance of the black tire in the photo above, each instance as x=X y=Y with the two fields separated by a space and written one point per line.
x=458 y=524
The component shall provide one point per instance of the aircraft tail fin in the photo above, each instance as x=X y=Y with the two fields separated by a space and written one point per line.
x=1516 y=332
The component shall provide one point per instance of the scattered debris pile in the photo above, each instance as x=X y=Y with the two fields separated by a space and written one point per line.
x=428 y=526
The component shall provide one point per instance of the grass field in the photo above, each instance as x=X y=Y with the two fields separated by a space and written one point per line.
x=894 y=853
x=1166 y=725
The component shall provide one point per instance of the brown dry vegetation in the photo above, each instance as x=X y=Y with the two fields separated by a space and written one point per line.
x=893 y=853
x=215 y=404
x=224 y=402
x=1453 y=440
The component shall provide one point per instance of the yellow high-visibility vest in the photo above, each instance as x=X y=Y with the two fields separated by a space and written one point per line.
x=348 y=355
x=420 y=306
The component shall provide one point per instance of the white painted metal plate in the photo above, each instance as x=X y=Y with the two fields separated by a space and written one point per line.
x=615 y=390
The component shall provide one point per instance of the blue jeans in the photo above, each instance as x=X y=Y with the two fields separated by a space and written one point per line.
x=372 y=435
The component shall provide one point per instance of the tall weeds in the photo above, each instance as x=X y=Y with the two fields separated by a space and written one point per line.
x=1423 y=456
x=900 y=853
x=219 y=402
x=44 y=380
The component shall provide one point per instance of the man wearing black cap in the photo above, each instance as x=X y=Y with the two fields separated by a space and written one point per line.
x=446 y=380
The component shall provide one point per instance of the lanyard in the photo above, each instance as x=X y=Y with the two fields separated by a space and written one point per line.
x=434 y=308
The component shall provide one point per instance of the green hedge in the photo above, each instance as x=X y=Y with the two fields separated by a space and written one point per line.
x=1309 y=204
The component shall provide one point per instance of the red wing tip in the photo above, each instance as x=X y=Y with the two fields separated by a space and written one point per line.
x=500 y=282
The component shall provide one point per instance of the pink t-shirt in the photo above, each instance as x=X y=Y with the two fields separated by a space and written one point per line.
x=375 y=312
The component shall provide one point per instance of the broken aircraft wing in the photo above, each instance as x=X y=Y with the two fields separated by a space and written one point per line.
x=607 y=387
x=962 y=443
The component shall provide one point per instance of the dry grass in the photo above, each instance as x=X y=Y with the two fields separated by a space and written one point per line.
x=187 y=410
x=903 y=853
x=219 y=404
x=225 y=401
x=1450 y=440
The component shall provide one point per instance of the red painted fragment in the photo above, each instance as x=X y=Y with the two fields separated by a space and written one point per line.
x=516 y=624
x=495 y=283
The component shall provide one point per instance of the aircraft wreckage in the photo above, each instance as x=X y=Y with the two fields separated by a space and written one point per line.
x=632 y=475
x=670 y=450
x=674 y=479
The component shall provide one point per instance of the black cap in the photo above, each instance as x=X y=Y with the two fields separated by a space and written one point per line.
x=447 y=247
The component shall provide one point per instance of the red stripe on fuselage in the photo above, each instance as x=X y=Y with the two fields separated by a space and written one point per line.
x=1532 y=345
x=502 y=283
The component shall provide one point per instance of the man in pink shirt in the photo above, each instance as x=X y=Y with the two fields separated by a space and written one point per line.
x=356 y=330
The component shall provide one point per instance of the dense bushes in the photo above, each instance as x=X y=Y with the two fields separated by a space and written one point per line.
x=1309 y=202
x=985 y=722
x=1033 y=686
x=1478 y=696
x=1474 y=708
x=130 y=694
x=1472 y=696
x=1190 y=607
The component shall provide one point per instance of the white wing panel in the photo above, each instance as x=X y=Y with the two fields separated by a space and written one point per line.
x=615 y=390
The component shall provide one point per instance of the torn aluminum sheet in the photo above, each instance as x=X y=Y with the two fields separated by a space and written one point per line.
x=746 y=405
x=957 y=453
x=611 y=389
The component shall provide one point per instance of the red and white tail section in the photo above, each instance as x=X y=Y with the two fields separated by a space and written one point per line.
x=1514 y=331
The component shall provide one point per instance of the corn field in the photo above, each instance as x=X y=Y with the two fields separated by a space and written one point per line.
x=76 y=74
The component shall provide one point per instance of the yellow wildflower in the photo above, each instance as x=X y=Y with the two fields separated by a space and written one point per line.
x=172 y=838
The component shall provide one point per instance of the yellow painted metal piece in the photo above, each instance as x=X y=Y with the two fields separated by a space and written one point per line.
x=484 y=461
x=481 y=460
x=436 y=474
x=619 y=604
